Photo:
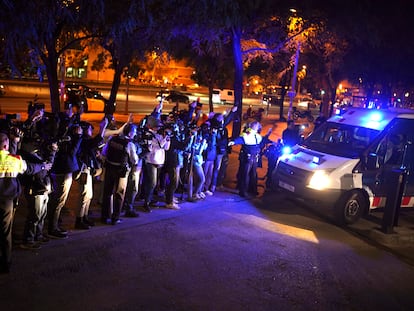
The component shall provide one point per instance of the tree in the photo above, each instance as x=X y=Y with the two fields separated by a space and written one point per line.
x=213 y=63
x=99 y=64
x=128 y=36
x=231 y=22
x=46 y=28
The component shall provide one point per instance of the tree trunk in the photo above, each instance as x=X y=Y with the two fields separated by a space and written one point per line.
x=51 y=62
x=210 y=96
x=238 y=81
x=111 y=105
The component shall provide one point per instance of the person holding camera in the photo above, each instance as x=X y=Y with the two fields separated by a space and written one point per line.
x=37 y=147
x=219 y=124
x=174 y=162
x=154 y=159
x=121 y=158
x=199 y=145
x=88 y=165
x=64 y=165
x=210 y=154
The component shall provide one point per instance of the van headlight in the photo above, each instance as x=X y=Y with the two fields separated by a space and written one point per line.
x=320 y=180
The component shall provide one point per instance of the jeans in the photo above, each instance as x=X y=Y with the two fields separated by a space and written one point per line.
x=86 y=193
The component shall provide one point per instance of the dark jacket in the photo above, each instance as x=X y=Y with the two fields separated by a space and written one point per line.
x=174 y=156
x=66 y=160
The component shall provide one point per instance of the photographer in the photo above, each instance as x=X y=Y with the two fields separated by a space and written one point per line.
x=220 y=122
x=154 y=159
x=174 y=161
x=65 y=164
x=210 y=155
x=88 y=165
x=36 y=147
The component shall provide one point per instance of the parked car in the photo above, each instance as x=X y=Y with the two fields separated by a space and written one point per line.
x=172 y=96
x=162 y=94
x=306 y=103
x=269 y=99
x=81 y=95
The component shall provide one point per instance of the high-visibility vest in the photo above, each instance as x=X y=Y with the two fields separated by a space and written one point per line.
x=11 y=165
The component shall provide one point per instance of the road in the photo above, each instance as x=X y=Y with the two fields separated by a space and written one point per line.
x=140 y=99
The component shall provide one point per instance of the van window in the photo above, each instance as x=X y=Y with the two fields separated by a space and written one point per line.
x=391 y=149
x=341 y=139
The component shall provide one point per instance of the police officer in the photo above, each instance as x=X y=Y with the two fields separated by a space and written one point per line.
x=10 y=167
x=120 y=158
x=291 y=135
x=250 y=142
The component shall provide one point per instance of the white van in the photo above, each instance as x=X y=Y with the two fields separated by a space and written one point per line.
x=345 y=163
x=223 y=96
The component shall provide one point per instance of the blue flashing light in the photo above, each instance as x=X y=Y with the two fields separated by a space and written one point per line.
x=286 y=150
x=376 y=116
x=373 y=120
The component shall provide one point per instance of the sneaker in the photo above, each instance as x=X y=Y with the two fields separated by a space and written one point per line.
x=116 y=222
x=172 y=206
x=202 y=195
x=192 y=199
x=62 y=230
x=30 y=245
x=208 y=192
x=175 y=200
x=56 y=234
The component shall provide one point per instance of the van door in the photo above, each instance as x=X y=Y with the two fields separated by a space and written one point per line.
x=393 y=150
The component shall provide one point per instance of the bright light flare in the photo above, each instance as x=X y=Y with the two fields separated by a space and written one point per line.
x=292 y=231
x=320 y=180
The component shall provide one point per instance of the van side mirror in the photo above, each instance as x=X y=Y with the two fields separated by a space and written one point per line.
x=372 y=161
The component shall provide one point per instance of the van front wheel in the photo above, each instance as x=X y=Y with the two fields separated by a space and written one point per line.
x=350 y=208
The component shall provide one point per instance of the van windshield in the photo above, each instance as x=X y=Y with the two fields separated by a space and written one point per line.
x=341 y=139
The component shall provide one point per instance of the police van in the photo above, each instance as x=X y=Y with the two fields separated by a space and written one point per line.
x=345 y=163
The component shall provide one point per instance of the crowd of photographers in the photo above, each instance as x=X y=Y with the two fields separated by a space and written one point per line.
x=182 y=153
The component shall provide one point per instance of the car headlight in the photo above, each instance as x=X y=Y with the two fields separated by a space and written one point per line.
x=320 y=180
